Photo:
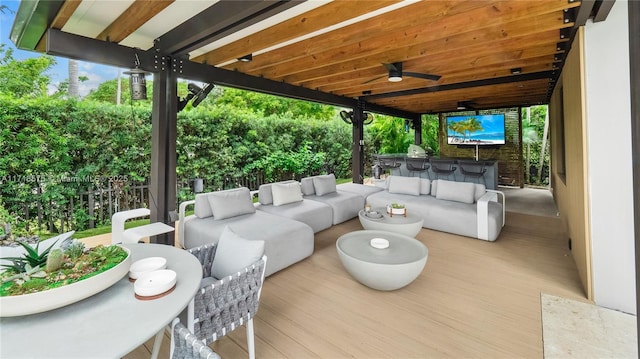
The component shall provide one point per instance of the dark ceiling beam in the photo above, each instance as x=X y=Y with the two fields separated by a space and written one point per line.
x=218 y=21
x=101 y=52
x=32 y=21
x=464 y=85
x=602 y=9
x=83 y=48
x=584 y=12
x=206 y=73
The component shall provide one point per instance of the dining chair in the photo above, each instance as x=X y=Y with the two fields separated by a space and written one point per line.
x=185 y=345
x=222 y=305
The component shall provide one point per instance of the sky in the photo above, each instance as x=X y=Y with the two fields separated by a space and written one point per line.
x=96 y=73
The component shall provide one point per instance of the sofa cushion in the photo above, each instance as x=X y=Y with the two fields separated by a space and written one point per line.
x=306 y=185
x=286 y=241
x=425 y=186
x=456 y=191
x=234 y=253
x=285 y=193
x=404 y=185
x=231 y=203
x=360 y=189
x=324 y=184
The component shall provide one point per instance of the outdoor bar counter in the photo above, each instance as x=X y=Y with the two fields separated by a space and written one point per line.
x=490 y=176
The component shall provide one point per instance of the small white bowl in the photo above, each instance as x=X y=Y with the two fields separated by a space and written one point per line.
x=154 y=283
x=379 y=243
x=146 y=265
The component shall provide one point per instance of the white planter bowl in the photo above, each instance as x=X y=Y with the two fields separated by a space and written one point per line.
x=16 y=305
x=395 y=210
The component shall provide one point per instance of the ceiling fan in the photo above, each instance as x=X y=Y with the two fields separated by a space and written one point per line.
x=197 y=92
x=348 y=117
x=396 y=73
x=465 y=105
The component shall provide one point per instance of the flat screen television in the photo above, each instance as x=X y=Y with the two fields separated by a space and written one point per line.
x=481 y=130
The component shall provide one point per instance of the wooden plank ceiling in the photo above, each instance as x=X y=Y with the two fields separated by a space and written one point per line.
x=340 y=47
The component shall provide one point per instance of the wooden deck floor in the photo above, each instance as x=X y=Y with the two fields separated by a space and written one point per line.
x=475 y=299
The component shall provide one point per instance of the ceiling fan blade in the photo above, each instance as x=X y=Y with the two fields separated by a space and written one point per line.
x=202 y=94
x=423 y=76
x=373 y=79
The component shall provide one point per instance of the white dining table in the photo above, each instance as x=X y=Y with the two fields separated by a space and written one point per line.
x=109 y=324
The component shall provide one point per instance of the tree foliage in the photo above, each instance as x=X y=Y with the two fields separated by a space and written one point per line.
x=21 y=78
x=532 y=133
x=55 y=147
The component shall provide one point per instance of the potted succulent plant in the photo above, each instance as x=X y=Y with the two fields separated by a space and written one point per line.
x=396 y=208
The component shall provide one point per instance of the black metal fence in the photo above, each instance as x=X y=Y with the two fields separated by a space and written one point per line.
x=96 y=205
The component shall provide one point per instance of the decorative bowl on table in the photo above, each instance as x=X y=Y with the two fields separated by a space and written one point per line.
x=373 y=215
x=155 y=282
x=146 y=265
x=25 y=304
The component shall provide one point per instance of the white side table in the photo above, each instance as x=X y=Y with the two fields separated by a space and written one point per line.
x=409 y=225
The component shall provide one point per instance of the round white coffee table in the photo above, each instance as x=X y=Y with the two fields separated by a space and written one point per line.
x=388 y=268
x=409 y=225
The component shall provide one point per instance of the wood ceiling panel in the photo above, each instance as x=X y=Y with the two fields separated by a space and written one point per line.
x=514 y=94
x=126 y=24
x=453 y=67
x=459 y=69
x=418 y=14
x=470 y=44
x=422 y=40
x=318 y=19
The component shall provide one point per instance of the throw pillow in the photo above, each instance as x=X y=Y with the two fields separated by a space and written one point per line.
x=285 y=193
x=231 y=203
x=324 y=184
x=480 y=191
x=425 y=186
x=404 y=185
x=201 y=207
x=264 y=194
x=456 y=191
x=234 y=253
x=306 y=184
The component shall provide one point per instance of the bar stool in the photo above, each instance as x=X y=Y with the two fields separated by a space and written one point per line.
x=443 y=167
x=417 y=164
x=473 y=169
x=387 y=163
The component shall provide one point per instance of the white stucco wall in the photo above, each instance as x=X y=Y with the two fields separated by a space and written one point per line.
x=609 y=160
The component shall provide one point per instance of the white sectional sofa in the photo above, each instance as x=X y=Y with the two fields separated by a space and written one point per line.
x=345 y=205
x=463 y=208
x=287 y=220
x=287 y=241
x=285 y=199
